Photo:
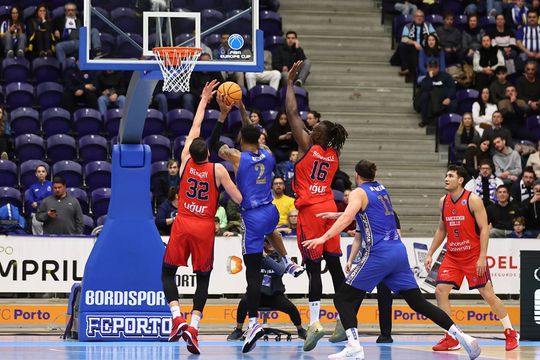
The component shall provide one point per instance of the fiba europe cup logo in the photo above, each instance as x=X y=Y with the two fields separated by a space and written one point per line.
x=236 y=41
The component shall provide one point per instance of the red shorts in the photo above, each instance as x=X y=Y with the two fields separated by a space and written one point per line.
x=311 y=227
x=453 y=270
x=191 y=236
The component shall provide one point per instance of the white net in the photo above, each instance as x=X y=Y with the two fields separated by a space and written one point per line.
x=176 y=64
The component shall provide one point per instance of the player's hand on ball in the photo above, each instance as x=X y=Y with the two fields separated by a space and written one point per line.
x=208 y=90
x=481 y=265
x=294 y=71
x=428 y=262
x=328 y=215
x=312 y=244
x=222 y=102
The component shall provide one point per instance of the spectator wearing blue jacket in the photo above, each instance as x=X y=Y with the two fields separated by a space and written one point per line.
x=11 y=222
x=38 y=191
x=431 y=51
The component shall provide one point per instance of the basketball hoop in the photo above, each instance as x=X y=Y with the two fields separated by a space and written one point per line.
x=176 y=64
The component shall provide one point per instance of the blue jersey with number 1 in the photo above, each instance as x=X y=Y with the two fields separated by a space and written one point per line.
x=254 y=178
x=377 y=222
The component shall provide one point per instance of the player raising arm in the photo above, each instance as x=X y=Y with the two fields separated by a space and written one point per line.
x=319 y=160
x=464 y=221
x=192 y=233
x=384 y=259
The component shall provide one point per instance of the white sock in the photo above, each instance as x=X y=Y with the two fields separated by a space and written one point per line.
x=457 y=333
x=252 y=322
x=507 y=324
x=175 y=311
x=314 y=311
x=352 y=336
x=195 y=321
x=452 y=336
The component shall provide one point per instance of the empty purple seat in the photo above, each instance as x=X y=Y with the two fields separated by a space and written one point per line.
x=100 y=201
x=160 y=146
x=87 y=121
x=126 y=19
x=199 y=5
x=19 y=94
x=61 y=147
x=158 y=168
x=28 y=12
x=466 y=99
x=154 y=124
x=15 y=69
x=460 y=22
x=70 y=171
x=88 y=225
x=242 y=25
x=301 y=97
x=50 y=94
x=179 y=122
x=24 y=120
x=212 y=41
x=112 y=121
x=27 y=172
x=93 y=148
x=98 y=174
x=178 y=146
x=5 y=9
x=447 y=126
x=29 y=147
x=211 y=17
x=263 y=97
x=273 y=42
x=8 y=173
x=270 y=23
x=125 y=49
x=81 y=196
x=46 y=68
x=269 y=116
x=234 y=122
x=108 y=42
x=210 y=119
x=487 y=23
x=12 y=196
x=533 y=125
x=56 y=121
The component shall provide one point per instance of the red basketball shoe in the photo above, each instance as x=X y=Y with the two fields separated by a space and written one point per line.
x=190 y=337
x=447 y=343
x=178 y=327
x=512 y=339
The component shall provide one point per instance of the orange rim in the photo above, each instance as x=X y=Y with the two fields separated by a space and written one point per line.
x=173 y=55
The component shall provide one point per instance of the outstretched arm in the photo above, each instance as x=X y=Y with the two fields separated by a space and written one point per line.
x=297 y=125
x=195 y=130
x=243 y=113
x=225 y=180
x=223 y=150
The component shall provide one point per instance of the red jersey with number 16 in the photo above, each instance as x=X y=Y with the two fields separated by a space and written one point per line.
x=313 y=175
x=463 y=238
x=198 y=193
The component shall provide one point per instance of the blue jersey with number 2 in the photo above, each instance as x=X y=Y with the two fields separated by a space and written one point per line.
x=377 y=222
x=254 y=178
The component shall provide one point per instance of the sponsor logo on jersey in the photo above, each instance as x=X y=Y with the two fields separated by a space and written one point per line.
x=194 y=208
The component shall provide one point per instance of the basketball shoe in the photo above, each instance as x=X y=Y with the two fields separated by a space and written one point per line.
x=315 y=333
x=512 y=339
x=350 y=352
x=252 y=335
x=178 y=327
x=190 y=337
x=447 y=343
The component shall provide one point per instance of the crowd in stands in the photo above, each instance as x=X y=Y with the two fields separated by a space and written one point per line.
x=474 y=66
x=55 y=171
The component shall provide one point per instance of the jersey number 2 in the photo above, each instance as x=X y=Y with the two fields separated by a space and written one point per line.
x=260 y=178
x=197 y=189
x=319 y=171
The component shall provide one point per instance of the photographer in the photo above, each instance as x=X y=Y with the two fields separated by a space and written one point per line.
x=60 y=213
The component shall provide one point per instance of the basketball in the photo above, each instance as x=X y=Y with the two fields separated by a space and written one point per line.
x=232 y=91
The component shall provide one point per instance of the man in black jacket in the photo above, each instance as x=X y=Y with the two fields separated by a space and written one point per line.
x=79 y=88
x=531 y=209
x=436 y=93
x=287 y=55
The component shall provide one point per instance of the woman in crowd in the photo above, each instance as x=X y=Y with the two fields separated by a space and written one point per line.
x=280 y=139
x=477 y=155
x=466 y=137
x=41 y=38
x=431 y=51
x=482 y=110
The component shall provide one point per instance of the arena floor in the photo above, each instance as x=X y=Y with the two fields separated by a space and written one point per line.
x=405 y=347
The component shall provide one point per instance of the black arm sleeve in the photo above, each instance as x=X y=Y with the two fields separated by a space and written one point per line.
x=215 y=144
x=398 y=223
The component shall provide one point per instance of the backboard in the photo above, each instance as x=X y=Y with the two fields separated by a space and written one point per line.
x=228 y=30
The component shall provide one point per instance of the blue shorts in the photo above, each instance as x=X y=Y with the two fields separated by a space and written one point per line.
x=387 y=263
x=256 y=224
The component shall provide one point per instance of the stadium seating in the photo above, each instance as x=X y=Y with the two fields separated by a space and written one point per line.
x=100 y=201
x=29 y=147
x=8 y=173
x=27 y=172
x=24 y=120
x=93 y=148
x=81 y=196
x=87 y=121
x=98 y=175
x=55 y=121
x=12 y=196
x=61 y=147
x=160 y=145
x=70 y=171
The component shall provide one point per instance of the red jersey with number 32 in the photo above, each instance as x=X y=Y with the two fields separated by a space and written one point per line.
x=198 y=193
x=313 y=175
x=463 y=238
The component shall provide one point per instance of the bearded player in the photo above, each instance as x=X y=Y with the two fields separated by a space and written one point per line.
x=193 y=228
x=318 y=154
x=464 y=221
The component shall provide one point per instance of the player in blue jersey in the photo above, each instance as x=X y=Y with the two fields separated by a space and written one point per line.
x=253 y=167
x=384 y=259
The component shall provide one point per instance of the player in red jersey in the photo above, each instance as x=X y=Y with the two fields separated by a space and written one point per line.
x=464 y=221
x=318 y=154
x=192 y=232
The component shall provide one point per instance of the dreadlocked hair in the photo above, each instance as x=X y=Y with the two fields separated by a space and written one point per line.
x=336 y=134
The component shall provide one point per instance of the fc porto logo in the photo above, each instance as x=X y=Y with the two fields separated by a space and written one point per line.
x=236 y=41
